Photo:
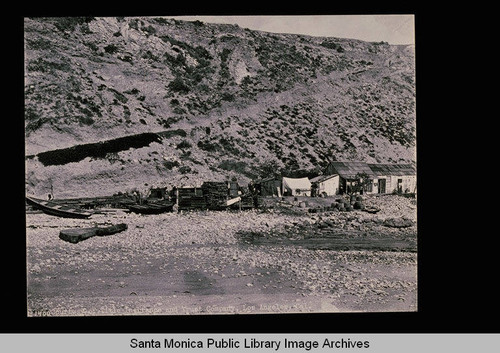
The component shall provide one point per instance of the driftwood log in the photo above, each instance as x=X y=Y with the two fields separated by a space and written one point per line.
x=74 y=235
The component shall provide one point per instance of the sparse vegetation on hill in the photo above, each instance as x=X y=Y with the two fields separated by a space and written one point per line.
x=242 y=99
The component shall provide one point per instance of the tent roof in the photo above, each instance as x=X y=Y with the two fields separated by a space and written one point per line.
x=322 y=178
x=297 y=183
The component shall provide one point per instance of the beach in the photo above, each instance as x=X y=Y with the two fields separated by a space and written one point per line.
x=279 y=259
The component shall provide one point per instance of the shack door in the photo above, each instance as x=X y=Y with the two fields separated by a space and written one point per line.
x=400 y=186
x=381 y=186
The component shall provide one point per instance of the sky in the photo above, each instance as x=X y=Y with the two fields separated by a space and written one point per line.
x=394 y=29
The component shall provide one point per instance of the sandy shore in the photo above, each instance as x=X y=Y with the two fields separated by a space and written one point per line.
x=203 y=263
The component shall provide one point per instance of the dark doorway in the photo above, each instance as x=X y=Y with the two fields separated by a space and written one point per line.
x=400 y=186
x=381 y=186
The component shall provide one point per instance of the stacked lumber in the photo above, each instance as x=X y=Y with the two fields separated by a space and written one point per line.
x=198 y=202
x=215 y=193
x=190 y=198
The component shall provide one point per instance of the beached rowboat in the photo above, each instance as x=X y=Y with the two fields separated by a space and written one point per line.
x=57 y=209
x=152 y=207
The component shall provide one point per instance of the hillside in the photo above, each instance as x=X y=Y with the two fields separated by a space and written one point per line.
x=161 y=102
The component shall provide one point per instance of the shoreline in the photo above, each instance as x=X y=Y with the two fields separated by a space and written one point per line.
x=199 y=260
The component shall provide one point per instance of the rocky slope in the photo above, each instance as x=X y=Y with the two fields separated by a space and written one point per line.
x=223 y=101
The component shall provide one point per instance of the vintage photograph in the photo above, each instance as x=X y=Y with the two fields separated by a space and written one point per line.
x=220 y=165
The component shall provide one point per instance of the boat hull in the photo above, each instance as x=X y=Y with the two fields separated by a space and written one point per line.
x=151 y=208
x=56 y=209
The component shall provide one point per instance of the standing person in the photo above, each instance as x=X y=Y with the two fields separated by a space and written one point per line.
x=137 y=197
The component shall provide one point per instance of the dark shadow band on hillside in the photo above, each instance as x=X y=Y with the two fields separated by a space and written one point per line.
x=101 y=149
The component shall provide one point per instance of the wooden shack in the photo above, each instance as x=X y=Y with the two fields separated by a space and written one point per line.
x=270 y=186
x=385 y=178
x=394 y=178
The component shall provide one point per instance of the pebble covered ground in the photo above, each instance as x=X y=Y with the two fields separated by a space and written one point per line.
x=205 y=263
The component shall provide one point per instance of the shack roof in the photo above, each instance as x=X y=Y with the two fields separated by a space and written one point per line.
x=380 y=169
x=348 y=170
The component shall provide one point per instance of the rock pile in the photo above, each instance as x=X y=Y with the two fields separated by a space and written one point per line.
x=354 y=202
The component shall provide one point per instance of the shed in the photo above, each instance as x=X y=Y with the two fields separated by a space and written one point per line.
x=296 y=186
x=325 y=185
x=268 y=186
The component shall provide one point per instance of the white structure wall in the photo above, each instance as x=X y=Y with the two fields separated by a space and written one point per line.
x=329 y=187
x=408 y=184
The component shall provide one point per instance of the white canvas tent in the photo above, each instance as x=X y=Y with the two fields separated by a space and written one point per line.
x=296 y=186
